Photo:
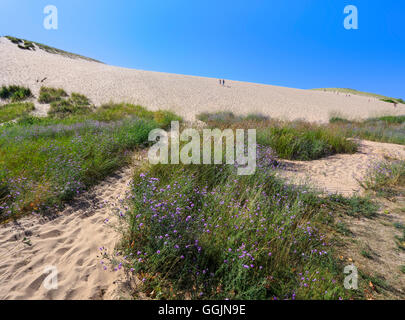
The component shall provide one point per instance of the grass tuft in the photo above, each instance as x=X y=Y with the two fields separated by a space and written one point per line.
x=385 y=178
x=13 y=111
x=15 y=93
x=49 y=95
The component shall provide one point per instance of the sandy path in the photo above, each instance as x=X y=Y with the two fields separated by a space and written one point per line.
x=185 y=95
x=70 y=242
x=341 y=173
x=377 y=237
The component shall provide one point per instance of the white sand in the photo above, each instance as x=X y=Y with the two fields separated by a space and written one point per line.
x=186 y=95
x=341 y=173
x=71 y=241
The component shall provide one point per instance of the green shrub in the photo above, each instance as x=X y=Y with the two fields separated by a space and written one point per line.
x=218 y=117
x=13 y=111
x=164 y=118
x=48 y=95
x=114 y=111
x=384 y=177
x=388 y=120
x=205 y=232
x=15 y=93
x=306 y=143
x=66 y=108
x=389 y=101
x=42 y=165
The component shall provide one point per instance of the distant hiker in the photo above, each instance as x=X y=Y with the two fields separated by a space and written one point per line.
x=220 y=82
x=223 y=82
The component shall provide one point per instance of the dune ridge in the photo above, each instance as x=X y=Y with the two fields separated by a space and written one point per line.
x=185 y=95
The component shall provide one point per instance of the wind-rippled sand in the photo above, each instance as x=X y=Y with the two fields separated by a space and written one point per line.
x=72 y=240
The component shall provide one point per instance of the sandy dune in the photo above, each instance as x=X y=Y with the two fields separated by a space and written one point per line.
x=186 y=95
x=341 y=173
x=69 y=241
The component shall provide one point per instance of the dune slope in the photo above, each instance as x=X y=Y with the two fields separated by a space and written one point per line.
x=186 y=95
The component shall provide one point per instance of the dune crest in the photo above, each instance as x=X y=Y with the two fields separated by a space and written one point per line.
x=185 y=95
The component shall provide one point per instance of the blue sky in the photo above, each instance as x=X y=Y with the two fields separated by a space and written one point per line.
x=293 y=43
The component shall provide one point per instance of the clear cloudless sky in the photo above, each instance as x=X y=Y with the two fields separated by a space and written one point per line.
x=293 y=43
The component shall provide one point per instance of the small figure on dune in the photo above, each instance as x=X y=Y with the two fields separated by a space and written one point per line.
x=223 y=82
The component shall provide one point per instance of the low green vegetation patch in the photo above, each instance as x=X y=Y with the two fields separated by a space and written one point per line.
x=228 y=118
x=385 y=178
x=15 y=110
x=362 y=93
x=114 y=111
x=21 y=43
x=15 y=93
x=203 y=232
x=28 y=45
x=295 y=140
x=49 y=95
x=76 y=104
x=382 y=129
x=46 y=161
x=304 y=143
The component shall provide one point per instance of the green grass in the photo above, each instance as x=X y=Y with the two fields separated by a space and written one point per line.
x=304 y=143
x=46 y=161
x=402 y=268
x=13 y=111
x=77 y=104
x=206 y=233
x=49 y=95
x=362 y=93
x=367 y=254
x=114 y=111
x=25 y=44
x=15 y=93
x=385 y=178
x=382 y=129
x=295 y=140
x=227 y=118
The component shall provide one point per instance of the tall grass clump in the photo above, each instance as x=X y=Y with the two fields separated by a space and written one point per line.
x=114 y=111
x=13 y=111
x=15 y=93
x=46 y=161
x=77 y=104
x=385 y=178
x=204 y=232
x=222 y=118
x=48 y=95
x=293 y=140
x=305 y=143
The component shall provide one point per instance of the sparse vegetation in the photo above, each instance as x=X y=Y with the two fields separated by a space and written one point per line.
x=362 y=93
x=114 y=111
x=382 y=129
x=49 y=95
x=28 y=45
x=45 y=161
x=13 y=111
x=385 y=178
x=290 y=140
x=15 y=93
x=206 y=233
x=77 y=104
x=367 y=254
x=305 y=143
